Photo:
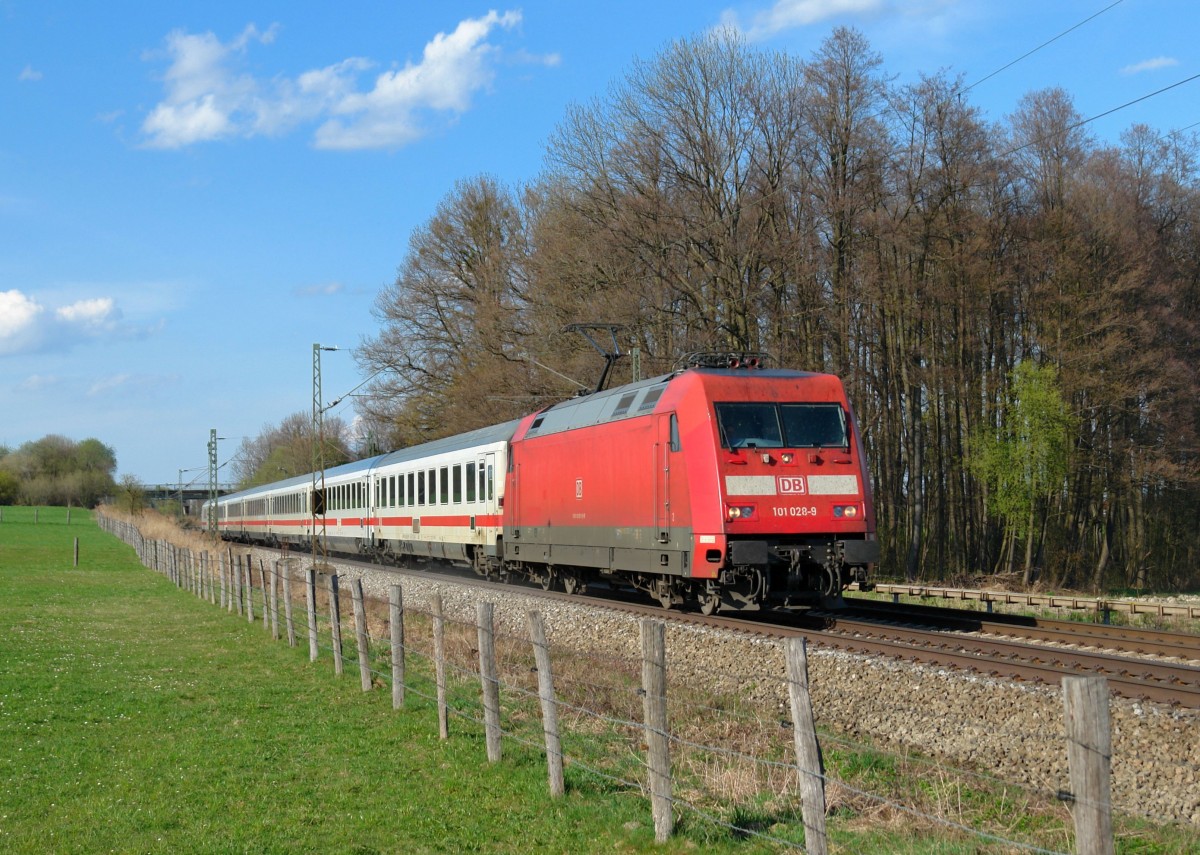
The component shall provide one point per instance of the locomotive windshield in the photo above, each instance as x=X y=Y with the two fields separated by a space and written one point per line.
x=767 y=425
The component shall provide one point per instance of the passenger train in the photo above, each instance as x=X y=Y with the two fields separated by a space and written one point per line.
x=723 y=485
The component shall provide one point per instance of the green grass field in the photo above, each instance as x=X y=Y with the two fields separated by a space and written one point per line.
x=136 y=718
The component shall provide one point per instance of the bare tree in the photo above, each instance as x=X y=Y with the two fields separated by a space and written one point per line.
x=285 y=450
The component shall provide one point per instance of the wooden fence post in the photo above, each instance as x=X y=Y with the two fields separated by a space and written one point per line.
x=541 y=657
x=76 y=552
x=262 y=583
x=439 y=662
x=287 y=602
x=488 y=676
x=808 y=750
x=238 y=586
x=235 y=584
x=275 y=601
x=396 y=621
x=212 y=577
x=335 y=624
x=310 y=590
x=248 y=590
x=360 y=631
x=654 y=703
x=1089 y=756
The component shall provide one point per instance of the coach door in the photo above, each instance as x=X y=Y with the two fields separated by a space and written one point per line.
x=371 y=499
x=486 y=491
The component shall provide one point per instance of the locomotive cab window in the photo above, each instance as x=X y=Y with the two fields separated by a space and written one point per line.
x=749 y=425
x=815 y=425
x=767 y=425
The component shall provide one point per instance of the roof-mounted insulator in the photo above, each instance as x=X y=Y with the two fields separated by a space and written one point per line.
x=724 y=359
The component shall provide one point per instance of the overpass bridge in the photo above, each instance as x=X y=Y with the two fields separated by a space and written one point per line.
x=190 y=496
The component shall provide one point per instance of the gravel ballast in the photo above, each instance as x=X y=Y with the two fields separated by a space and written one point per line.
x=1013 y=732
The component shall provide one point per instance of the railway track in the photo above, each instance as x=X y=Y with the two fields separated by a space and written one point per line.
x=999 y=647
x=1128 y=640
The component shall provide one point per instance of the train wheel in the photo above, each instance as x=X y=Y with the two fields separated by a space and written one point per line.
x=710 y=601
x=570 y=582
x=547 y=579
x=664 y=593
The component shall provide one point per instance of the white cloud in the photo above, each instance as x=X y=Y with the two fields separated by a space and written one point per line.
x=16 y=312
x=19 y=321
x=1150 y=65
x=108 y=384
x=29 y=75
x=128 y=384
x=38 y=382
x=207 y=98
x=27 y=326
x=789 y=14
x=99 y=312
x=324 y=289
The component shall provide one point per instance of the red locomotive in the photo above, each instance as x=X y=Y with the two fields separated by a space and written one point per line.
x=732 y=487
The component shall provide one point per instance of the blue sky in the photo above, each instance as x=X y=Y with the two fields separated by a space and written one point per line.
x=191 y=194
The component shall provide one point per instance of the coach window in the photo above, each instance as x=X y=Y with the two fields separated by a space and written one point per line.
x=421 y=489
x=456 y=482
x=470 y=482
x=674 y=432
x=491 y=484
x=444 y=484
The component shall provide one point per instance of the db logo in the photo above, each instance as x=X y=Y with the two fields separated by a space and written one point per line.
x=791 y=484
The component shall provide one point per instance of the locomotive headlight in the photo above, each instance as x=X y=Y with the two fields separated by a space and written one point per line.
x=845 y=512
x=739 y=512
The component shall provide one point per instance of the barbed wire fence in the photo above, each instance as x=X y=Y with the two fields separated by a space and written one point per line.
x=698 y=755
